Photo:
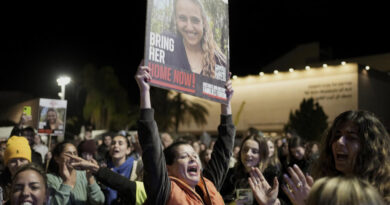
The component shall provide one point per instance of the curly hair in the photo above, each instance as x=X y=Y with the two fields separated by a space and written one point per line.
x=375 y=143
x=211 y=52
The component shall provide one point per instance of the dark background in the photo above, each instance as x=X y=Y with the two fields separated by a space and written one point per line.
x=41 y=42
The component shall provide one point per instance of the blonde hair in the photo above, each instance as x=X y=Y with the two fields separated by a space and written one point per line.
x=211 y=52
x=343 y=191
x=274 y=159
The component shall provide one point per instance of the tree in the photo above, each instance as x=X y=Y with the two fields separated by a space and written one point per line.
x=172 y=110
x=310 y=121
x=106 y=105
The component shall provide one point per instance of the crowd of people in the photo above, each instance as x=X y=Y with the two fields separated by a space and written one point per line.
x=350 y=165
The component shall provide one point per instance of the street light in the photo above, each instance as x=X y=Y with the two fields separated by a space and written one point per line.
x=63 y=81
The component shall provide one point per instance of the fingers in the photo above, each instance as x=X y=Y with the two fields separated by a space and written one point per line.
x=254 y=178
x=289 y=194
x=259 y=174
x=74 y=157
x=293 y=175
x=276 y=184
x=290 y=183
x=252 y=184
x=299 y=173
x=94 y=161
x=143 y=74
x=310 y=180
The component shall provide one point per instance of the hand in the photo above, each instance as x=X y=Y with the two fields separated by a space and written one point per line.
x=68 y=176
x=226 y=109
x=299 y=185
x=262 y=191
x=24 y=119
x=142 y=77
x=82 y=164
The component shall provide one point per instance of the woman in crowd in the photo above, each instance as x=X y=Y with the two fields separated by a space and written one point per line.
x=119 y=163
x=17 y=153
x=298 y=154
x=195 y=49
x=357 y=145
x=205 y=156
x=273 y=159
x=68 y=185
x=174 y=176
x=253 y=154
x=40 y=147
x=343 y=191
x=29 y=186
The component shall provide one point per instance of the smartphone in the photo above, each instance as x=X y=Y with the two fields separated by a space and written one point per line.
x=27 y=110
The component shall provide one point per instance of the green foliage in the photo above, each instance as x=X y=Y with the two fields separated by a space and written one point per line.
x=172 y=110
x=310 y=121
x=106 y=105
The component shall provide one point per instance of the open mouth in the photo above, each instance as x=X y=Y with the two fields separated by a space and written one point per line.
x=193 y=170
x=341 y=157
x=26 y=203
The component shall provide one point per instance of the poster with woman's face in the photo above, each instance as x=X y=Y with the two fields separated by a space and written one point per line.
x=52 y=116
x=187 y=46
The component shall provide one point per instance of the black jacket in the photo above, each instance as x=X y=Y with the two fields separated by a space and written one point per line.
x=156 y=181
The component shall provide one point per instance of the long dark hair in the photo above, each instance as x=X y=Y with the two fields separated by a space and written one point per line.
x=58 y=149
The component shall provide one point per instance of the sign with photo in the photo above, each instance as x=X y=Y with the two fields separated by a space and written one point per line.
x=187 y=46
x=52 y=116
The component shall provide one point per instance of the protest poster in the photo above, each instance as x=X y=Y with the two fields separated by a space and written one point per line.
x=52 y=117
x=187 y=46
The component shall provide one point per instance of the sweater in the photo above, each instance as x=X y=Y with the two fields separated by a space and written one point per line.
x=81 y=194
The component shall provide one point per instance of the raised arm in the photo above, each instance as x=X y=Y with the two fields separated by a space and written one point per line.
x=143 y=77
x=156 y=181
x=219 y=162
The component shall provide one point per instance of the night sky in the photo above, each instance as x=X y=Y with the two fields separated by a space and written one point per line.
x=39 y=44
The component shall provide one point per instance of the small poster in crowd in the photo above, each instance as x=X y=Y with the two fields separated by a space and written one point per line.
x=187 y=46
x=52 y=116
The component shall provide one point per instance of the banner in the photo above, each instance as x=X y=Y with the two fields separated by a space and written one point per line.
x=52 y=117
x=187 y=46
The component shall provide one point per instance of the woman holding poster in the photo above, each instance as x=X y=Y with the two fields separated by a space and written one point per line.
x=175 y=175
x=195 y=48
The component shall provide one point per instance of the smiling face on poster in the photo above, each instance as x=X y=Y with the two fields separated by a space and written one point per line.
x=187 y=46
x=52 y=116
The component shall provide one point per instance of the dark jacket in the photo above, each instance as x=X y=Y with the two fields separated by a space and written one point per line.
x=156 y=180
x=128 y=191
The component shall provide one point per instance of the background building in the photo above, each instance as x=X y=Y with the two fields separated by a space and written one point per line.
x=265 y=101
